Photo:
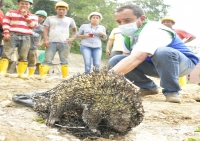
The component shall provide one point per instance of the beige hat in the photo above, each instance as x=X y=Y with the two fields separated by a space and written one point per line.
x=168 y=18
x=95 y=13
x=62 y=4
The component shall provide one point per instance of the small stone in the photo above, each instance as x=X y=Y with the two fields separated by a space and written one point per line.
x=12 y=123
x=197 y=98
x=6 y=103
x=2 y=113
x=111 y=137
x=2 y=138
x=56 y=138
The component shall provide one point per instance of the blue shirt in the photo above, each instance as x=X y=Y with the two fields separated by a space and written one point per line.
x=93 y=42
x=35 y=38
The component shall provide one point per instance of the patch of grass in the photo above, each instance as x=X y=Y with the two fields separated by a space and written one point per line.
x=42 y=47
x=8 y=81
x=40 y=120
x=197 y=130
x=193 y=139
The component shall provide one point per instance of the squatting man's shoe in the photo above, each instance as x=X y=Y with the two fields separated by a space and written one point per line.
x=175 y=98
x=148 y=92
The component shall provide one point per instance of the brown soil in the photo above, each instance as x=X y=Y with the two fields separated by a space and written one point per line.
x=163 y=121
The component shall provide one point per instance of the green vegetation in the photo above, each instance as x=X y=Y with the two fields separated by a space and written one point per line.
x=40 y=120
x=198 y=129
x=80 y=9
x=193 y=139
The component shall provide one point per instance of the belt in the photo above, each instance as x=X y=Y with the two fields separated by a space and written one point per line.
x=20 y=34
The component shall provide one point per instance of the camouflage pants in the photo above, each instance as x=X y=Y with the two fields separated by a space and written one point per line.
x=32 y=58
x=22 y=41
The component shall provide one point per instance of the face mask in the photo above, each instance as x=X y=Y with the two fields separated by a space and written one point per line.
x=129 y=29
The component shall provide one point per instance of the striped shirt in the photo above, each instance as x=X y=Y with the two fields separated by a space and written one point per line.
x=14 y=21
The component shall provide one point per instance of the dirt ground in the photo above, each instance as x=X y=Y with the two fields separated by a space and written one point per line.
x=163 y=121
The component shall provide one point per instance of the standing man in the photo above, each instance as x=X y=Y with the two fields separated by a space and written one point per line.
x=56 y=38
x=155 y=50
x=116 y=41
x=35 y=42
x=17 y=28
x=169 y=22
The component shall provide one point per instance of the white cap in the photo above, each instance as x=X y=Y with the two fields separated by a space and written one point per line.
x=95 y=13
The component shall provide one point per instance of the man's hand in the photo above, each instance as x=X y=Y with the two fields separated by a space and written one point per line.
x=70 y=40
x=6 y=37
x=107 y=52
x=46 y=43
x=24 y=12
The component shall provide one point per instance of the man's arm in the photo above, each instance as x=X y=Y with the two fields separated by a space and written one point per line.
x=108 y=46
x=32 y=21
x=190 y=39
x=129 y=63
x=185 y=35
x=45 y=36
x=74 y=31
x=6 y=26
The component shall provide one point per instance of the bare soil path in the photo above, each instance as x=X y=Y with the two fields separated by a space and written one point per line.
x=163 y=121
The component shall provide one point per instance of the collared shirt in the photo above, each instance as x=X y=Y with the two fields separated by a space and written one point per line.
x=95 y=41
x=14 y=21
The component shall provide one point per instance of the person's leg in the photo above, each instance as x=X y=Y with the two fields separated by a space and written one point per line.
x=96 y=55
x=1 y=50
x=9 y=46
x=50 y=53
x=24 y=47
x=138 y=75
x=32 y=60
x=139 y=78
x=116 y=59
x=49 y=56
x=7 y=52
x=170 y=64
x=63 y=51
x=113 y=53
x=87 y=54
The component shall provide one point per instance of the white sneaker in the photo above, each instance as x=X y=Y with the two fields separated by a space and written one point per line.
x=175 y=98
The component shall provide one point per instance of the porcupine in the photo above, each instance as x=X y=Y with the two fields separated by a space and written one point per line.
x=93 y=97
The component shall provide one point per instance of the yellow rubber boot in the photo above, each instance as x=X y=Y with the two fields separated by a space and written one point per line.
x=21 y=68
x=182 y=81
x=3 y=66
x=31 y=71
x=64 y=70
x=43 y=70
